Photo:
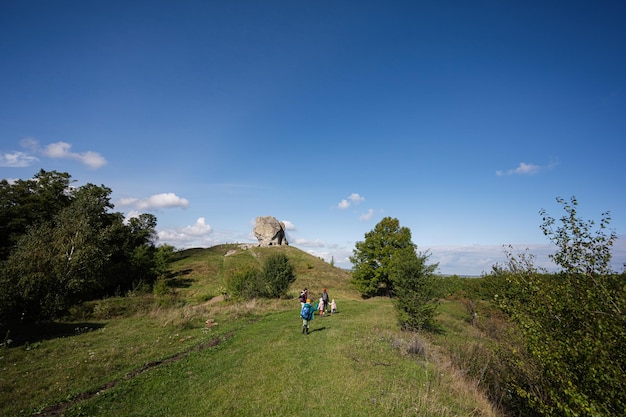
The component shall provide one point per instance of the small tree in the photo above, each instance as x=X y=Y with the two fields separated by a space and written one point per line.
x=414 y=289
x=373 y=257
x=272 y=281
x=278 y=274
x=246 y=283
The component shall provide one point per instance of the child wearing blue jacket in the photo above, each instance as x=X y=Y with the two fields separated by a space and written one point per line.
x=307 y=313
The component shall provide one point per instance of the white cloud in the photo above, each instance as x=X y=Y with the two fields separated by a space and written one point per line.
x=309 y=243
x=522 y=169
x=200 y=228
x=131 y=215
x=63 y=150
x=54 y=150
x=356 y=198
x=288 y=225
x=17 y=159
x=353 y=198
x=198 y=234
x=367 y=216
x=156 y=201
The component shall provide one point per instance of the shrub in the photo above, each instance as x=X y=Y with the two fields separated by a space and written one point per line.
x=246 y=283
x=278 y=274
x=572 y=324
x=414 y=289
x=271 y=282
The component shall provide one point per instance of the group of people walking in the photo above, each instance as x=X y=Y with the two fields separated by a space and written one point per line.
x=307 y=310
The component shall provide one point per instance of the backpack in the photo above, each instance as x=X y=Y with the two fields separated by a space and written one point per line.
x=306 y=312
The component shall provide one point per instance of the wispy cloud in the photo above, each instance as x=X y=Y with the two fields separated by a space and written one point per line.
x=63 y=150
x=525 y=169
x=479 y=259
x=156 y=201
x=309 y=243
x=522 y=169
x=288 y=225
x=17 y=159
x=57 y=150
x=353 y=198
x=367 y=216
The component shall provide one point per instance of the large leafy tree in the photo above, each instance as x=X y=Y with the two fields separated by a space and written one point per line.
x=372 y=258
x=61 y=261
x=65 y=246
x=31 y=202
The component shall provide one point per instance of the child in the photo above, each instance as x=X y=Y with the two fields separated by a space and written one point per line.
x=304 y=294
x=333 y=307
x=307 y=313
x=321 y=307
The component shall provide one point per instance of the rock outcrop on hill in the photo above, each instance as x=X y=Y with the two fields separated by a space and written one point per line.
x=270 y=231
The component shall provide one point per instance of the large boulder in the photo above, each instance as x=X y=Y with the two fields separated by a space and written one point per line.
x=270 y=231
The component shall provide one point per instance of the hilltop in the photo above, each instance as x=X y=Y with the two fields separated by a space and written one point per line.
x=206 y=269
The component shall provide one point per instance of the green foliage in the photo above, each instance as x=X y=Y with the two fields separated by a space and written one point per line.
x=572 y=322
x=581 y=251
x=414 y=289
x=246 y=283
x=272 y=281
x=27 y=203
x=373 y=257
x=278 y=274
x=160 y=287
x=163 y=256
x=61 y=246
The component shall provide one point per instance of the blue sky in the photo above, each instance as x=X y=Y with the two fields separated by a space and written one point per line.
x=460 y=119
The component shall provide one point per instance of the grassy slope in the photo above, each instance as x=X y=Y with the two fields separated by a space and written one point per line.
x=353 y=363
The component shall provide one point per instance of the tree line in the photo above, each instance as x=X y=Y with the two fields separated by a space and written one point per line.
x=61 y=245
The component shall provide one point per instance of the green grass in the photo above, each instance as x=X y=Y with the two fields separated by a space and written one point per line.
x=255 y=361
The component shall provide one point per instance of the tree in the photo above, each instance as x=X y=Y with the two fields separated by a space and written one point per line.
x=278 y=274
x=581 y=251
x=27 y=203
x=572 y=322
x=63 y=245
x=373 y=257
x=271 y=281
x=246 y=283
x=415 y=295
x=62 y=261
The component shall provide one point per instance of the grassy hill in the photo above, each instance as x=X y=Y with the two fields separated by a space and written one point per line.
x=188 y=352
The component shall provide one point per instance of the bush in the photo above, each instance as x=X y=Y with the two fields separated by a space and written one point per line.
x=278 y=274
x=414 y=290
x=572 y=324
x=246 y=283
x=271 y=282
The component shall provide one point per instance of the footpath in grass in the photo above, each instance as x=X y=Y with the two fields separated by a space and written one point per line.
x=351 y=364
